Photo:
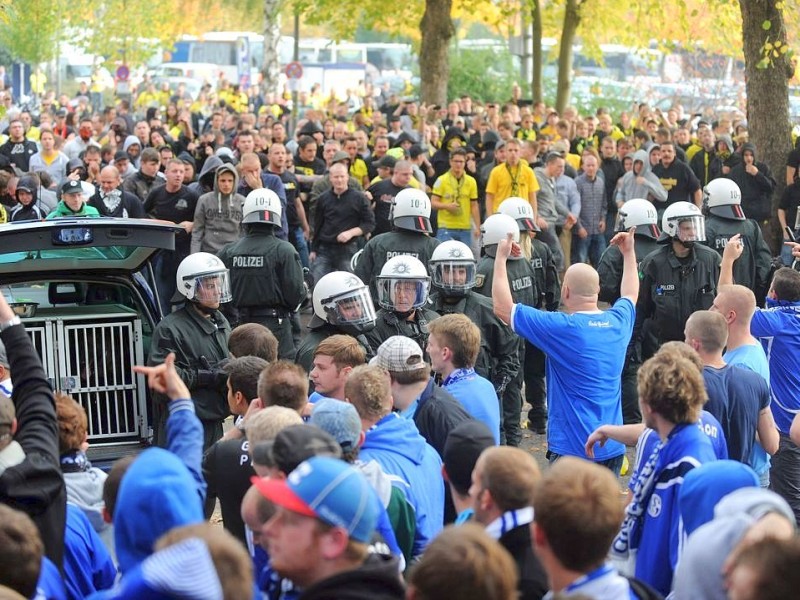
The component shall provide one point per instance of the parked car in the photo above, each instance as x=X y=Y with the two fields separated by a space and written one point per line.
x=84 y=289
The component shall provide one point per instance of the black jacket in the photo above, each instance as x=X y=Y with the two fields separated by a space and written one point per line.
x=35 y=486
x=532 y=577
x=754 y=267
x=305 y=353
x=377 y=579
x=671 y=290
x=336 y=213
x=389 y=323
x=380 y=248
x=129 y=207
x=756 y=189
x=227 y=471
x=438 y=412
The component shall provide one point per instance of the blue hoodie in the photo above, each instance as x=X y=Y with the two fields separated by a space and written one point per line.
x=396 y=445
x=162 y=489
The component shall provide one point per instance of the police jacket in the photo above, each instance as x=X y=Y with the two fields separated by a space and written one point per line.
x=498 y=359
x=521 y=278
x=672 y=289
x=199 y=344
x=438 y=412
x=305 y=353
x=387 y=245
x=753 y=267
x=548 y=285
x=610 y=266
x=389 y=323
x=265 y=272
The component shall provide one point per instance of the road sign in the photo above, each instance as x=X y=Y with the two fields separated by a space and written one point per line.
x=123 y=72
x=294 y=70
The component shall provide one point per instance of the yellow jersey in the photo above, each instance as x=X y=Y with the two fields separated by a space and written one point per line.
x=505 y=182
x=450 y=190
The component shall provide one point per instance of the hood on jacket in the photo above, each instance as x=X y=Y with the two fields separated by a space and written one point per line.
x=225 y=168
x=453 y=132
x=749 y=147
x=726 y=139
x=705 y=486
x=207 y=176
x=30 y=184
x=652 y=148
x=397 y=435
x=643 y=157
x=156 y=494
x=130 y=141
x=75 y=163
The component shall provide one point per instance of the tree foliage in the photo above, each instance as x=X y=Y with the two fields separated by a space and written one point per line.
x=29 y=27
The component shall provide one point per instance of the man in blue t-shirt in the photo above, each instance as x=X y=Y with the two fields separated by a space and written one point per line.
x=585 y=349
x=453 y=345
x=737 y=397
x=737 y=304
x=778 y=328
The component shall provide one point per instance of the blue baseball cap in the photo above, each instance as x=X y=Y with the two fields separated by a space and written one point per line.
x=327 y=489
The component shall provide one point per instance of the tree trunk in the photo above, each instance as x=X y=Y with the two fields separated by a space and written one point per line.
x=271 y=64
x=538 y=60
x=572 y=18
x=434 y=64
x=767 y=85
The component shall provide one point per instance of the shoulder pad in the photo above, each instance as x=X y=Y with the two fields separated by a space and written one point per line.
x=479 y=280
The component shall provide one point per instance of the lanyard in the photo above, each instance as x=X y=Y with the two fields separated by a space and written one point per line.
x=514 y=179
x=458 y=184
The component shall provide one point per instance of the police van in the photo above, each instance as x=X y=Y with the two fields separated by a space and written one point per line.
x=85 y=291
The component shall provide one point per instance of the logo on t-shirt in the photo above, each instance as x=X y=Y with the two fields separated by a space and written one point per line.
x=654 y=508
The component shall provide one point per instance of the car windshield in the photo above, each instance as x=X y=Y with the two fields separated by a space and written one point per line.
x=116 y=253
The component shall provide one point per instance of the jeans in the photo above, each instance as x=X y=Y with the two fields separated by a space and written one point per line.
x=300 y=244
x=550 y=237
x=462 y=235
x=332 y=258
x=613 y=464
x=590 y=247
x=786 y=256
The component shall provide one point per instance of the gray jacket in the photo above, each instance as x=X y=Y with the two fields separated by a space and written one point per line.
x=629 y=188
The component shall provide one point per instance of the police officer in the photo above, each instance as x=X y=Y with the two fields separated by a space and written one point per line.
x=411 y=219
x=522 y=280
x=342 y=305
x=402 y=295
x=266 y=274
x=453 y=277
x=198 y=335
x=722 y=208
x=641 y=215
x=548 y=298
x=677 y=279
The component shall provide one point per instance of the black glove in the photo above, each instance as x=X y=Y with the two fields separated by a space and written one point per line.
x=212 y=376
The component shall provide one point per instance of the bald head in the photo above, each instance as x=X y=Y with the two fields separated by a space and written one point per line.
x=736 y=303
x=109 y=179
x=582 y=283
x=708 y=330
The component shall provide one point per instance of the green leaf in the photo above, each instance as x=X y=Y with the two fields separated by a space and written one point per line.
x=766 y=25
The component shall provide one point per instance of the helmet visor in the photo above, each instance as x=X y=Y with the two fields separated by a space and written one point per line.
x=352 y=310
x=402 y=294
x=212 y=289
x=454 y=277
x=690 y=228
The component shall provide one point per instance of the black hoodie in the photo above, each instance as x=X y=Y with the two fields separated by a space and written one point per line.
x=756 y=189
x=378 y=578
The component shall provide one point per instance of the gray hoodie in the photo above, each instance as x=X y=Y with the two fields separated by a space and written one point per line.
x=699 y=572
x=651 y=189
x=217 y=217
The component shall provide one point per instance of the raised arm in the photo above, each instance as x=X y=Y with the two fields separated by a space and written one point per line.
x=629 y=286
x=733 y=250
x=501 y=291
